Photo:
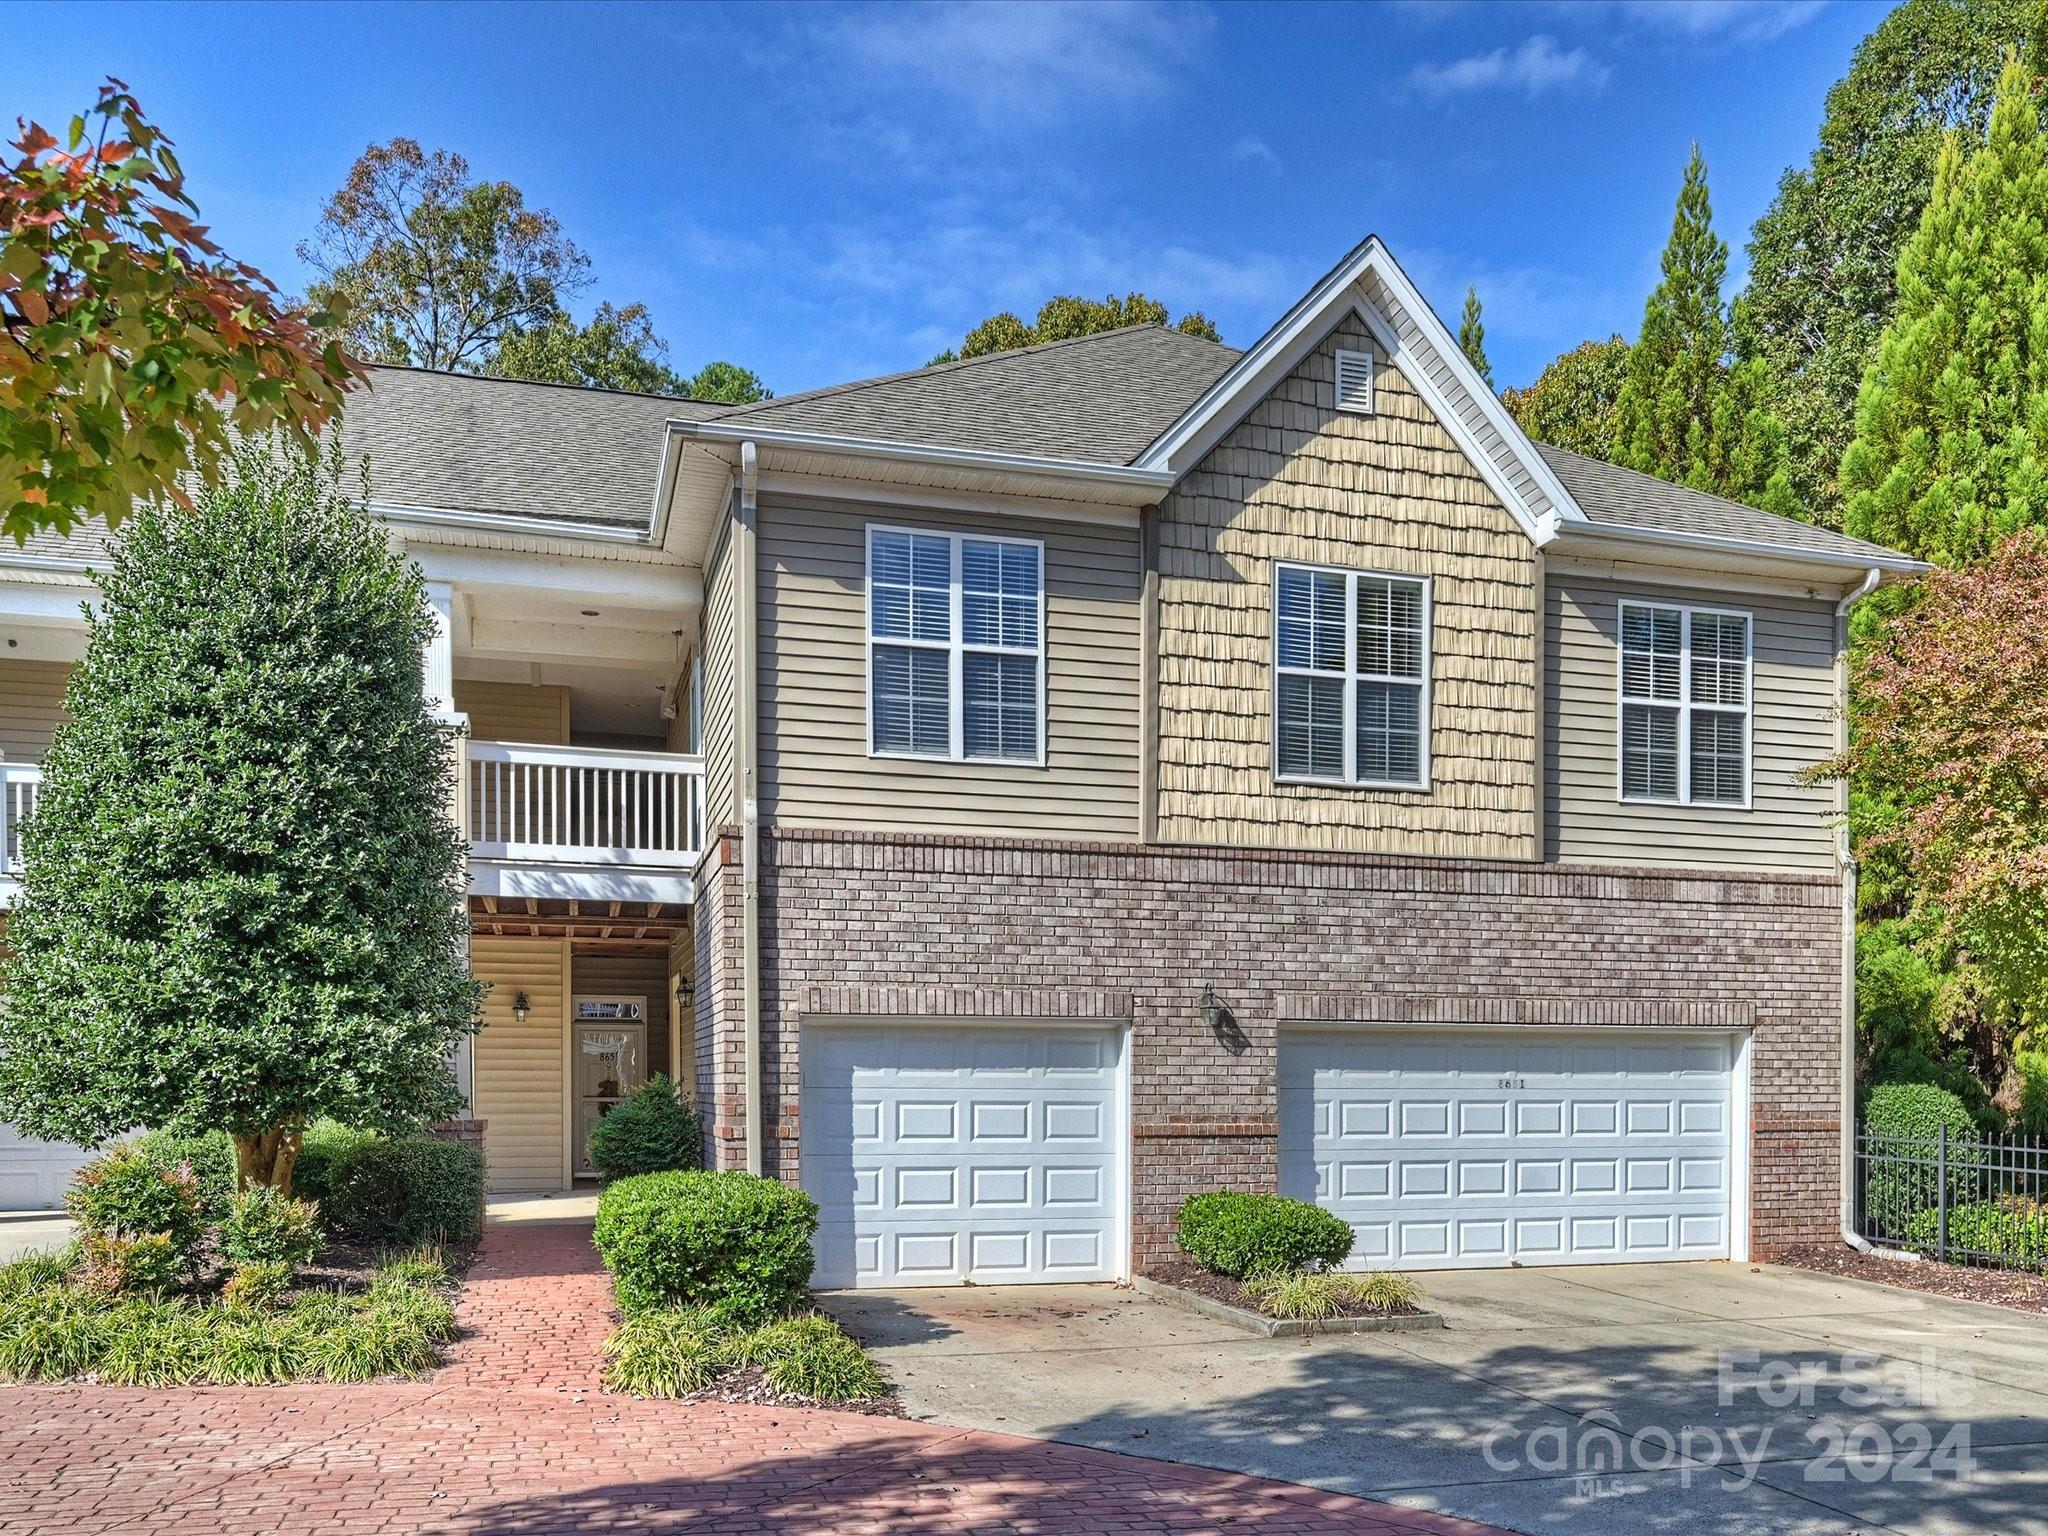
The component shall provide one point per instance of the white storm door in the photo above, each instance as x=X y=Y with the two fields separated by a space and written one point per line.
x=941 y=1154
x=1455 y=1148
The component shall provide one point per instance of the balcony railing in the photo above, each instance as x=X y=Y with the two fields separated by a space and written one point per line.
x=20 y=784
x=584 y=805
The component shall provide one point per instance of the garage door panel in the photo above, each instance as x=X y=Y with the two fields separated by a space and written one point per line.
x=35 y=1174
x=996 y=1158
x=1446 y=1152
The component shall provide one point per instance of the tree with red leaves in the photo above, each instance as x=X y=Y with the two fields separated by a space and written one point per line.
x=132 y=349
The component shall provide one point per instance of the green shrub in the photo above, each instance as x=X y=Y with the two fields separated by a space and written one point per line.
x=211 y=1158
x=257 y=1286
x=734 y=1242
x=664 y=1352
x=1236 y=1234
x=36 y=1272
x=1904 y=1122
x=51 y=1333
x=404 y=1192
x=125 y=1194
x=265 y=1227
x=1916 y=1112
x=2030 y=1118
x=2015 y=1235
x=111 y=1264
x=324 y=1149
x=651 y=1132
x=809 y=1355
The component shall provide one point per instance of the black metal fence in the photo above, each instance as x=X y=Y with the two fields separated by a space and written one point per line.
x=1965 y=1199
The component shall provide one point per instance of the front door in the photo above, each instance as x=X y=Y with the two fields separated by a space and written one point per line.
x=609 y=1061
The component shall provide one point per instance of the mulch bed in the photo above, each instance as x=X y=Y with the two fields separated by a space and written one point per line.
x=749 y=1384
x=1186 y=1276
x=2003 y=1288
x=347 y=1267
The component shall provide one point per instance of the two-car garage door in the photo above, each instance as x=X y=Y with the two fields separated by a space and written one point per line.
x=941 y=1154
x=1458 y=1148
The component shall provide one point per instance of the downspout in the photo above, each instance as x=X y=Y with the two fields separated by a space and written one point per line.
x=747 y=705
x=1848 y=864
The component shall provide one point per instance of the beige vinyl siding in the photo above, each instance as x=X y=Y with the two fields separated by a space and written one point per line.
x=815 y=767
x=530 y=712
x=1299 y=481
x=519 y=1067
x=643 y=976
x=720 y=662
x=31 y=707
x=1792 y=727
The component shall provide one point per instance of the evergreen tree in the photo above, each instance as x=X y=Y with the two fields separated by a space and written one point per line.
x=242 y=905
x=1683 y=413
x=1472 y=336
x=1952 y=416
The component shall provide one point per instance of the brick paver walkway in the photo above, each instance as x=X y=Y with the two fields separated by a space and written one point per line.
x=513 y=1437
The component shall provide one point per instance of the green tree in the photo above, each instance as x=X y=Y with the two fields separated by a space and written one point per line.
x=1823 y=259
x=1683 y=413
x=1952 y=416
x=242 y=905
x=1065 y=316
x=1472 y=336
x=617 y=350
x=131 y=349
x=728 y=382
x=1571 y=404
x=436 y=268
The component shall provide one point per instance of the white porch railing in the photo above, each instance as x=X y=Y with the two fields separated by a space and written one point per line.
x=584 y=805
x=20 y=784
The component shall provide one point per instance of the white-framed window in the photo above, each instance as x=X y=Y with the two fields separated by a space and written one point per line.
x=1354 y=381
x=1685 y=704
x=1350 y=677
x=956 y=645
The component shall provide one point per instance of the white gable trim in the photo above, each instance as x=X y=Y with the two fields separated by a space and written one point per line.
x=1429 y=360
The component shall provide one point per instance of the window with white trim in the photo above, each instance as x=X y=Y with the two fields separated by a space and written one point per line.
x=1685 y=703
x=1350 y=677
x=956 y=645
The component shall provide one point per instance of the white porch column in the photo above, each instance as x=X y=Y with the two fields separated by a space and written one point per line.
x=437 y=677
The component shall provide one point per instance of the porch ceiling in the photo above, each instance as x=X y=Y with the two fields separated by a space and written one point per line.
x=593 y=926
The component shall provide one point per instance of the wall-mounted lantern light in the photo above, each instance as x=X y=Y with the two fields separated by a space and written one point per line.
x=521 y=1007
x=686 y=991
x=1222 y=1023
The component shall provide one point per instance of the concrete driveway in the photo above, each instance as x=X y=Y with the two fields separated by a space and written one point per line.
x=1744 y=1399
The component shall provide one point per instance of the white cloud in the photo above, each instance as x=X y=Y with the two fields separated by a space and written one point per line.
x=1030 y=59
x=1533 y=67
x=1255 y=149
x=1737 y=21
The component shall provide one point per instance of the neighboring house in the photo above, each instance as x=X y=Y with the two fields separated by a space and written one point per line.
x=1067 y=780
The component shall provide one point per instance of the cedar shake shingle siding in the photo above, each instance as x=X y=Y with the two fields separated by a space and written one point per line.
x=1298 y=480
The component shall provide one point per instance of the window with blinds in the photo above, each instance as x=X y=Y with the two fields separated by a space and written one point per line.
x=1685 y=704
x=1351 y=678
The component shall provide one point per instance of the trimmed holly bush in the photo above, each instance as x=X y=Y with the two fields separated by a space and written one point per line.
x=1239 y=1235
x=265 y=1227
x=2014 y=1236
x=651 y=1132
x=734 y=1243
x=325 y=1149
x=1917 y=1112
x=406 y=1191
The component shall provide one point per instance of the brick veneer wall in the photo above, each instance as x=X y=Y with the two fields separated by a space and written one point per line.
x=864 y=924
x=721 y=1062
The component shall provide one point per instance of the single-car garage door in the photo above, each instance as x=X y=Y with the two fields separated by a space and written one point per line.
x=33 y=1174
x=947 y=1153
x=1456 y=1148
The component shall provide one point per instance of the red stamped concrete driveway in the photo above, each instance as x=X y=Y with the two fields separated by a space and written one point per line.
x=513 y=1436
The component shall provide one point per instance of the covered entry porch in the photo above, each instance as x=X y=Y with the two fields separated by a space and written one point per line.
x=585 y=1004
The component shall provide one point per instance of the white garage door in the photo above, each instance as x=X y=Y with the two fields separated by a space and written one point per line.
x=941 y=1154
x=33 y=1174
x=1462 y=1149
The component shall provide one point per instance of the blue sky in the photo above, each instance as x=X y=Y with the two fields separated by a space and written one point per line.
x=824 y=192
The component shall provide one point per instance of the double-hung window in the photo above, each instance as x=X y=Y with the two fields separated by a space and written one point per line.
x=956 y=645
x=1351 y=677
x=1685 y=692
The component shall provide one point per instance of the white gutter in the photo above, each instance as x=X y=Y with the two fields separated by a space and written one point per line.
x=1753 y=547
x=750 y=805
x=1847 y=860
x=500 y=522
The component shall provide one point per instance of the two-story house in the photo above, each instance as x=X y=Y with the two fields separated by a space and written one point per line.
x=1026 y=791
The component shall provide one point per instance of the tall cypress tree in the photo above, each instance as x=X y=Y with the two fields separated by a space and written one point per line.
x=1472 y=336
x=1952 y=416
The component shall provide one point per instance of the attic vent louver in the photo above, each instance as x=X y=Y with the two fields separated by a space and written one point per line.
x=1354 y=382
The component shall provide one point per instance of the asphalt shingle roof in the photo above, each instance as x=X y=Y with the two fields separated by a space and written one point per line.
x=1627 y=498
x=1097 y=399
